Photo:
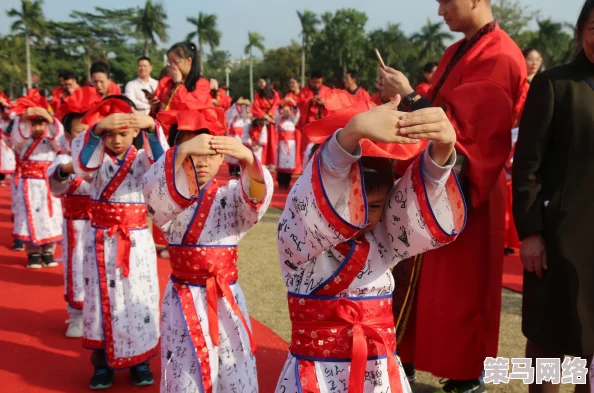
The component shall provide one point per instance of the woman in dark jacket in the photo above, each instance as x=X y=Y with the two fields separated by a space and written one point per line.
x=553 y=188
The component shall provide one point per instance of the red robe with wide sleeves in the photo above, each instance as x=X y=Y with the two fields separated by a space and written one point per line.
x=262 y=106
x=454 y=324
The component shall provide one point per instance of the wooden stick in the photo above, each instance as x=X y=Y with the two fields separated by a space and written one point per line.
x=379 y=58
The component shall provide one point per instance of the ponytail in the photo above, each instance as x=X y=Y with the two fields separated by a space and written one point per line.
x=188 y=50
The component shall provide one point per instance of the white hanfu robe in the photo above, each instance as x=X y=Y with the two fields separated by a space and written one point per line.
x=255 y=140
x=121 y=306
x=75 y=194
x=7 y=158
x=286 y=155
x=200 y=351
x=236 y=127
x=340 y=290
x=38 y=214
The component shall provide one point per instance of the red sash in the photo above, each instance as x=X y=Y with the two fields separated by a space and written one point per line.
x=286 y=136
x=346 y=328
x=38 y=170
x=119 y=218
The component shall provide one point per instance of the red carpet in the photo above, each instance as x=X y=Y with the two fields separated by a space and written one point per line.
x=37 y=358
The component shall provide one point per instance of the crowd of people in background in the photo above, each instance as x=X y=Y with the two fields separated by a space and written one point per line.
x=89 y=165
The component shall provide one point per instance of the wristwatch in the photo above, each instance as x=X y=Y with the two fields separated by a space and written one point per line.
x=409 y=100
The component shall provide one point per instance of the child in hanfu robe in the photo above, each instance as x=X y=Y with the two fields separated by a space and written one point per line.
x=121 y=306
x=74 y=193
x=35 y=137
x=238 y=118
x=255 y=136
x=345 y=225
x=287 y=154
x=207 y=343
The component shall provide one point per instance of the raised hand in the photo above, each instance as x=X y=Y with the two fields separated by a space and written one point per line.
x=431 y=124
x=142 y=121
x=175 y=74
x=379 y=124
x=232 y=148
x=115 y=121
x=393 y=83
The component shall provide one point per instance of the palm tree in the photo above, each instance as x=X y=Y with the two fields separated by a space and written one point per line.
x=255 y=40
x=30 y=23
x=206 y=33
x=150 y=21
x=431 y=40
x=309 y=21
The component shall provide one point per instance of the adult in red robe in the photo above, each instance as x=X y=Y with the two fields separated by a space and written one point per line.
x=481 y=84
x=100 y=77
x=311 y=104
x=183 y=81
x=266 y=102
x=351 y=85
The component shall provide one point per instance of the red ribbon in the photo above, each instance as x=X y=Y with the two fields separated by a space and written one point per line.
x=124 y=246
x=37 y=170
x=364 y=329
x=286 y=137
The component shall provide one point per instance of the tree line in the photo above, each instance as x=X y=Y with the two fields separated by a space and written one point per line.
x=332 y=42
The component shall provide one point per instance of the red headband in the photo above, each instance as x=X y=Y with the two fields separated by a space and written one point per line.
x=339 y=108
x=105 y=108
x=81 y=100
x=32 y=100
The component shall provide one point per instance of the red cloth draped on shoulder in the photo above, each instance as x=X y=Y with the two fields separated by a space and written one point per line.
x=81 y=100
x=261 y=107
x=459 y=287
x=339 y=108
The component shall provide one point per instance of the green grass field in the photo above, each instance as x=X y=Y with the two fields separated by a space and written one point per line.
x=260 y=278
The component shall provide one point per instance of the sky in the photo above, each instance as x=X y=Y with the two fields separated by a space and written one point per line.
x=277 y=20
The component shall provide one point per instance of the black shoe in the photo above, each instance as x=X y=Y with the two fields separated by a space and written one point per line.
x=34 y=261
x=101 y=379
x=508 y=251
x=471 y=386
x=18 y=245
x=141 y=375
x=411 y=373
x=47 y=260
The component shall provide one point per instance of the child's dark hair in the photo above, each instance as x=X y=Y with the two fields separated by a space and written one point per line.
x=68 y=119
x=123 y=98
x=378 y=173
x=258 y=123
x=429 y=67
x=316 y=74
x=174 y=132
x=188 y=50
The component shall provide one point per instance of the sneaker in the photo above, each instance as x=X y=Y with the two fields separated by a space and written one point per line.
x=164 y=254
x=75 y=328
x=471 y=386
x=101 y=379
x=141 y=375
x=411 y=373
x=18 y=245
x=34 y=261
x=47 y=259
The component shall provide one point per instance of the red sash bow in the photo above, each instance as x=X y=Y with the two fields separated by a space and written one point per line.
x=216 y=268
x=118 y=219
x=38 y=170
x=348 y=329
